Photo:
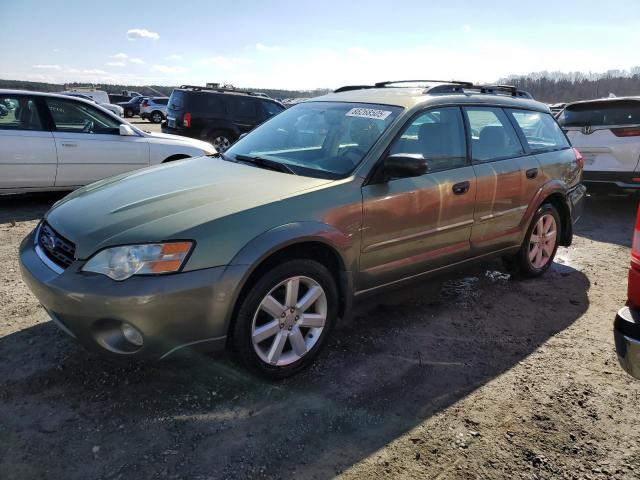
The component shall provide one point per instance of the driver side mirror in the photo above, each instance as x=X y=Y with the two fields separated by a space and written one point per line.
x=126 y=130
x=405 y=165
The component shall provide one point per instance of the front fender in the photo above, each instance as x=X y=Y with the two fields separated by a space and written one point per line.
x=266 y=244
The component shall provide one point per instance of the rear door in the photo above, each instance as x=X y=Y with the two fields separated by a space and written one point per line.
x=89 y=144
x=28 y=156
x=507 y=178
x=607 y=133
x=243 y=111
x=413 y=225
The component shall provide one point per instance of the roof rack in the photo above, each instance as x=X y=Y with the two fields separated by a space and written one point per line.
x=484 y=89
x=199 y=88
x=453 y=82
x=447 y=86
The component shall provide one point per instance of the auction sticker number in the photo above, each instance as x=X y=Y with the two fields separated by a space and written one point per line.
x=368 y=113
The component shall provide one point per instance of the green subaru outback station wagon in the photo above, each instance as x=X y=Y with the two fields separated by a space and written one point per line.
x=263 y=248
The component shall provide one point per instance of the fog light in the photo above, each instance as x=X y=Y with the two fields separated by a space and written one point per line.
x=132 y=334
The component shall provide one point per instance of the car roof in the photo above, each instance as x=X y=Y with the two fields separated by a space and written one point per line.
x=4 y=91
x=604 y=100
x=410 y=97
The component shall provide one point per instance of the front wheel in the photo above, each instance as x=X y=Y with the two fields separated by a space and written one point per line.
x=285 y=318
x=540 y=243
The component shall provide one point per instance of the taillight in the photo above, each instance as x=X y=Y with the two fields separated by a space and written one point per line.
x=626 y=132
x=579 y=158
x=186 y=120
x=145 y=103
x=633 y=287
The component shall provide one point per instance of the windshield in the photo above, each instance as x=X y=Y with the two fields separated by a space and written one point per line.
x=319 y=139
x=601 y=113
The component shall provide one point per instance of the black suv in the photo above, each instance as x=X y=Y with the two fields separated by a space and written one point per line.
x=216 y=115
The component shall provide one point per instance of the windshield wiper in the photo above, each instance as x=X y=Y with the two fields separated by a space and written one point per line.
x=264 y=163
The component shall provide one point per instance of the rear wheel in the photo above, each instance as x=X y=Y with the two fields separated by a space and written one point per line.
x=221 y=140
x=285 y=318
x=157 y=117
x=128 y=112
x=540 y=243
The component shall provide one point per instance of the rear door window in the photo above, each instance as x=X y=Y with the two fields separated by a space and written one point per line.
x=243 y=107
x=601 y=113
x=492 y=135
x=161 y=101
x=19 y=113
x=540 y=130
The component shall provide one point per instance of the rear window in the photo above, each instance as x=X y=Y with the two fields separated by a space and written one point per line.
x=618 y=112
x=541 y=131
x=176 y=100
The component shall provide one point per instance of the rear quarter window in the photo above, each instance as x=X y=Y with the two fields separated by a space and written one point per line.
x=602 y=113
x=540 y=130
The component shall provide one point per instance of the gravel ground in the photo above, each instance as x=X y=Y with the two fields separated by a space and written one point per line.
x=473 y=375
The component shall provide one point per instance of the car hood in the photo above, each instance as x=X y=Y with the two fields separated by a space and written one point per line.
x=161 y=203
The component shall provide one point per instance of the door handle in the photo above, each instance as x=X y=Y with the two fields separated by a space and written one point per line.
x=461 y=188
x=532 y=173
x=66 y=144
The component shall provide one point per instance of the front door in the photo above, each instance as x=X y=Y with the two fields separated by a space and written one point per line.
x=413 y=225
x=27 y=150
x=90 y=146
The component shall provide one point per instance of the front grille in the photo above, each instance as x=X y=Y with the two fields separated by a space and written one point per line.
x=58 y=249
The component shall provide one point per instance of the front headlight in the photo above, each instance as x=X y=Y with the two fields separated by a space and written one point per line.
x=120 y=263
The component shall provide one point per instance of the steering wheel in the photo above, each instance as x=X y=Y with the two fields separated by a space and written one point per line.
x=88 y=127
x=353 y=154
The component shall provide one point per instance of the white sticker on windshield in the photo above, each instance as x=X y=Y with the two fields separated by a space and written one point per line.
x=368 y=113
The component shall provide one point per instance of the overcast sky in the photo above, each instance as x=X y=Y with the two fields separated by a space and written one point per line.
x=306 y=44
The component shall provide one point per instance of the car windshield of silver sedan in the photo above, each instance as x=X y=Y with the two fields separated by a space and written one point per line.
x=317 y=139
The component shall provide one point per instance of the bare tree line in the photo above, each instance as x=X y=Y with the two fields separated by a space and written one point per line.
x=552 y=87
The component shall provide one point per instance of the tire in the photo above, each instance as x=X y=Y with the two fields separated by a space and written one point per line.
x=536 y=253
x=221 y=140
x=300 y=333
x=128 y=112
x=156 y=117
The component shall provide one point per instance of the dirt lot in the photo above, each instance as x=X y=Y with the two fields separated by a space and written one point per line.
x=475 y=375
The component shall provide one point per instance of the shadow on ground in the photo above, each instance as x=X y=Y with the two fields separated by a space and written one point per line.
x=28 y=206
x=407 y=355
x=619 y=212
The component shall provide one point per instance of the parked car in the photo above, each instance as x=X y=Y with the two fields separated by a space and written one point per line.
x=556 y=108
x=626 y=326
x=263 y=247
x=117 y=109
x=218 y=116
x=154 y=109
x=123 y=97
x=132 y=106
x=607 y=133
x=60 y=142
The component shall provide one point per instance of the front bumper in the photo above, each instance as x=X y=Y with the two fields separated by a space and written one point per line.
x=626 y=332
x=170 y=311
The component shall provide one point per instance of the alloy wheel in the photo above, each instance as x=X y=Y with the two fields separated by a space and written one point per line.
x=542 y=242
x=221 y=143
x=289 y=321
x=157 y=118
